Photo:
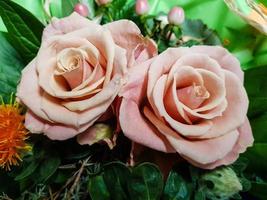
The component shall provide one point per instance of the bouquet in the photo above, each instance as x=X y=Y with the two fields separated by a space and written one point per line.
x=129 y=99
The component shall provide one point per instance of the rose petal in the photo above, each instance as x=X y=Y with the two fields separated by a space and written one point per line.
x=128 y=36
x=184 y=129
x=236 y=110
x=129 y=117
x=66 y=25
x=28 y=90
x=225 y=59
x=200 y=151
x=104 y=97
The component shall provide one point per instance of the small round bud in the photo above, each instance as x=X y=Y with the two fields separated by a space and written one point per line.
x=102 y=2
x=176 y=16
x=82 y=9
x=224 y=183
x=141 y=7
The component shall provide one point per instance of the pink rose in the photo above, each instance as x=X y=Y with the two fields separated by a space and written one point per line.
x=77 y=73
x=190 y=101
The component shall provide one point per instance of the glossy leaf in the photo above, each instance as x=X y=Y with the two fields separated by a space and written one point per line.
x=146 y=182
x=10 y=67
x=97 y=188
x=116 y=175
x=24 y=29
x=176 y=187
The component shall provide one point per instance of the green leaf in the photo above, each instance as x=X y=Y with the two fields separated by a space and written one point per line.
x=36 y=7
x=10 y=67
x=200 y=195
x=68 y=6
x=116 y=175
x=257 y=157
x=28 y=170
x=47 y=168
x=176 y=187
x=198 y=31
x=24 y=29
x=259 y=128
x=55 y=8
x=146 y=182
x=97 y=188
x=118 y=9
x=256 y=87
x=259 y=190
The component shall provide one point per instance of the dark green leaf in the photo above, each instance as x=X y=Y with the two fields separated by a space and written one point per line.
x=146 y=182
x=47 y=168
x=176 y=187
x=240 y=165
x=24 y=29
x=28 y=170
x=257 y=158
x=259 y=190
x=256 y=87
x=10 y=67
x=116 y=175
x=98 y=189
x=259 y=128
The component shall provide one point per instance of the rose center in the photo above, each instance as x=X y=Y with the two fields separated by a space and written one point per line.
x=193 y=96
x=72 y=65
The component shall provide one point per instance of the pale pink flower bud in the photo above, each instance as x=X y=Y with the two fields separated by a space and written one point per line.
x=141 y=7
x=176 y=16
x=81 y=9
x=102 y=2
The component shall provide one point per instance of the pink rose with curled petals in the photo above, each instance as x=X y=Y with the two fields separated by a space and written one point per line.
x=77 y=73
x=190 y=101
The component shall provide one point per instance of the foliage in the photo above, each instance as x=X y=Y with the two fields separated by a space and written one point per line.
x=24 y=30
x=10 y=67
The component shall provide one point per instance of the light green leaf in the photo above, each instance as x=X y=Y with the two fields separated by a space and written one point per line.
x=68 y=6
x=35 y=7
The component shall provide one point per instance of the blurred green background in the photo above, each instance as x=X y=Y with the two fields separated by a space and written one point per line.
x=249 y=45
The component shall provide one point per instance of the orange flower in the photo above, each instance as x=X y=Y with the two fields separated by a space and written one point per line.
x=12 y=134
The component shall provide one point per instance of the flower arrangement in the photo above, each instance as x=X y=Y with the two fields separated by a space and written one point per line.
x=129 y=99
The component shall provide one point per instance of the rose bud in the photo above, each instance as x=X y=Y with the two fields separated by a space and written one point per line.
x=97 y=133
x=176 y=16
x=81 y=9
x=225 y=183
x=141 y=7
x=102 y=2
